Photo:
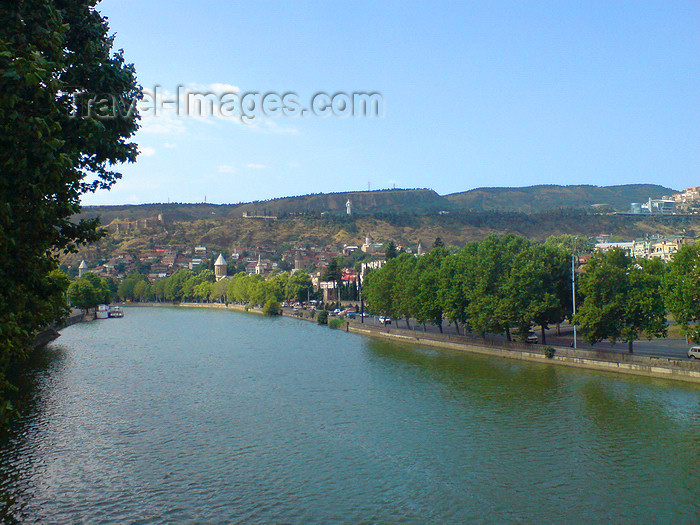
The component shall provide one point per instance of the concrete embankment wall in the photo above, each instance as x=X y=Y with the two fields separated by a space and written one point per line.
x=46 y=336
x=677 y=369
x=683 y=370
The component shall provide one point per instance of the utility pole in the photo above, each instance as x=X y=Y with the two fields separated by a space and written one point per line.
x=362 y=299
x=573 y=296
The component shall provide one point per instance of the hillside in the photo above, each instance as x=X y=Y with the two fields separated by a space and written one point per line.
x=417 y=201
x=545 y=197
x=398 y=201
x=236 y=233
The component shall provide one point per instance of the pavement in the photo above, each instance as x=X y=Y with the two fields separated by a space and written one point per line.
x=666 y=347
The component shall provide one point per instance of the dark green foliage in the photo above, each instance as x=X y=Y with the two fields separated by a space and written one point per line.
x=390 y=251
x=622 y=298
x=682 y=290
x=505 y=283
x=49 y=52
x=549 y=352
x=322 y=317
x=335 y=323
x=89 y=291
x=271 y=307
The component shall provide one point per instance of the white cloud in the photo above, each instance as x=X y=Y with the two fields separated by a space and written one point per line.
x=255 y=166
x=147 y=151
x=165 y=124
x=169 y=145
x=226 y=169
x=217 y=87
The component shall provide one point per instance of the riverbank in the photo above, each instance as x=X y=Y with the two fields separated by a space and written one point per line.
x=681 y=370
x=53 y=332
x=660 y=367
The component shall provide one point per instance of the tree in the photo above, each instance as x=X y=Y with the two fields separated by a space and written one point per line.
x=271 y=307
x=682 y=290
x=488 y=304
x=55 y=145
x=453 y=291
x=404 y=286
x=82 y=294
x=427 y=274
x=390 y=251
x=570 y=244
x=378 y=290
x=438 y=243
x=622 y=299
x=219 y=290
x=333 y=273
x=173 y=287
x=298 y=286
x=537 y=289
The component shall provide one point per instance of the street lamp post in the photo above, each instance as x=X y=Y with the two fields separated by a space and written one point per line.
x=573 y=296
x=362 y=299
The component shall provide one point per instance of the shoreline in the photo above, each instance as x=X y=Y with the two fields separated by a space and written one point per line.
x=658 y=367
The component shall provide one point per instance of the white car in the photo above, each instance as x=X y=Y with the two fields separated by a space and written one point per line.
x=384 y=320
x=694 y=352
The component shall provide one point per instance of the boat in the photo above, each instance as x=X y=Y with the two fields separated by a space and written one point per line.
x=116 y=311
x=102 y=311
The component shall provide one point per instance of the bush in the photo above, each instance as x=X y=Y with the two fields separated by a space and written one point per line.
x=271 y=307
x=335 y=323
x=322 y=317
x=549 y=352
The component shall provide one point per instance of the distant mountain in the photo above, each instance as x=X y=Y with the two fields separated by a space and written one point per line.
x=416 y=201
x=546 y=197
x=530 y=199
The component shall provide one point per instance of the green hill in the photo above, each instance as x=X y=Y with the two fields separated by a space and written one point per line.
x=546 y=197
x=530 y=199
x=415 y=201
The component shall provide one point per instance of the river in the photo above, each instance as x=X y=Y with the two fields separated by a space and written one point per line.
x=176 y=415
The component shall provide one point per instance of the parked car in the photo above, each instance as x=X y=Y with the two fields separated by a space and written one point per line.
x=351 y=315
x=532 y=337
x=384 y=320
x=694 y=352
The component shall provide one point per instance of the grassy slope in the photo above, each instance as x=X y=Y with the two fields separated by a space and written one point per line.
x=227 y=234
x=538 y=198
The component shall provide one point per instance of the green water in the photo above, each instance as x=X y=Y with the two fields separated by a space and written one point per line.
x=208 y=416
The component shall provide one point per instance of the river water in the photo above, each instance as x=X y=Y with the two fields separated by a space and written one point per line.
x=174 y=415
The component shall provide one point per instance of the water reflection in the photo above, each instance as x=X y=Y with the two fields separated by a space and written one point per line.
x=16 y=441
x=211 y=416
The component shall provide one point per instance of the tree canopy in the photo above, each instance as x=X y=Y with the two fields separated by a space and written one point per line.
x=58 y=141
x=682 y=290
x=622 y=298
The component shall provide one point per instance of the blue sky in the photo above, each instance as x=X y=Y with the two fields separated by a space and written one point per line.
x=474 y=94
